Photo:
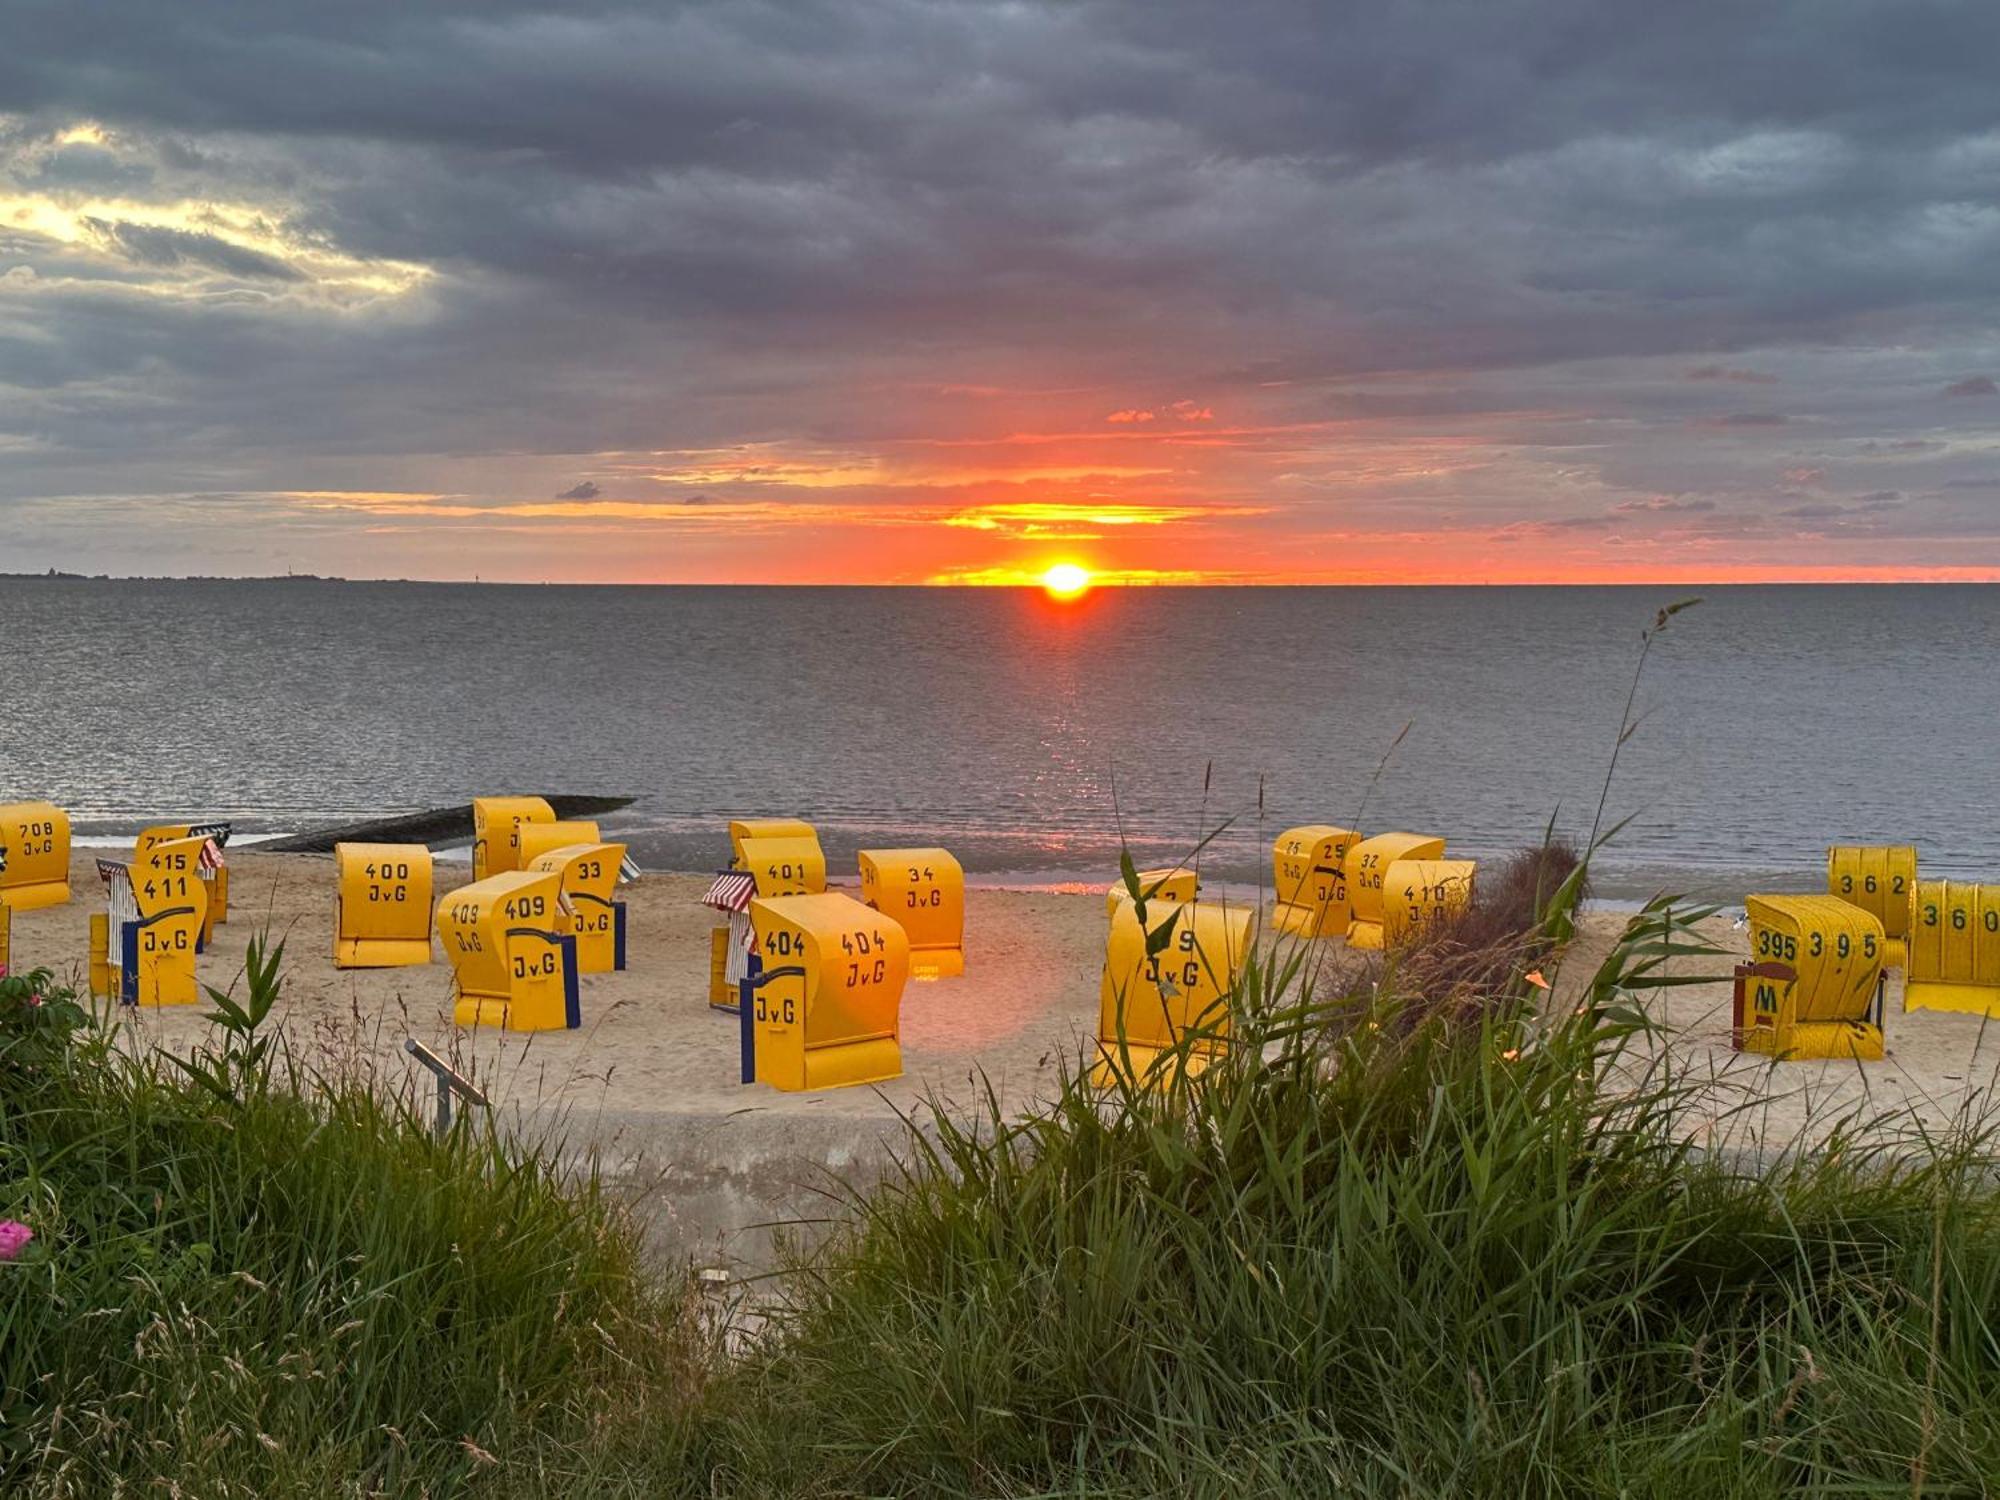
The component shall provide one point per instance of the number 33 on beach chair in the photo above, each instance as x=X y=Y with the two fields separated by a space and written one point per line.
x=511 y=949
x=822 y=1008
x=588 y=874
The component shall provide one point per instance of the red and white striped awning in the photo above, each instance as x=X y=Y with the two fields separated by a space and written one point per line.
x=733 y=891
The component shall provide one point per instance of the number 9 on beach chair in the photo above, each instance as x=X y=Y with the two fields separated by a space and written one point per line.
x=1149 y=1002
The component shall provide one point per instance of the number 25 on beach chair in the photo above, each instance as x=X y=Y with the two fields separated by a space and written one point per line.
x=34 y=855
x=822 y=1006
x=512 y=952
x=381 y=906
x=1309 y=880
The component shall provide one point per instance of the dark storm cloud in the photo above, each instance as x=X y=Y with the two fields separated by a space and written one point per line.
x=155 y=246
x=642 y=226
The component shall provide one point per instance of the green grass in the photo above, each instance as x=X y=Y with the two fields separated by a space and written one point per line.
x=248 y=1280
x=1382 y=1248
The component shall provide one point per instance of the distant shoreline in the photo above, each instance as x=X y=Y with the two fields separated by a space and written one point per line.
x=1106 y=586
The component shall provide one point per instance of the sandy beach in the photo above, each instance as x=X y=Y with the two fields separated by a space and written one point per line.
x=649 y=1083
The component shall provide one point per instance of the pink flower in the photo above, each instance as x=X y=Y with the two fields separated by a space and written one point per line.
x=14 y=1237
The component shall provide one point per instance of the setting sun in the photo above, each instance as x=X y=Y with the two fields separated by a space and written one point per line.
x=1066 y=580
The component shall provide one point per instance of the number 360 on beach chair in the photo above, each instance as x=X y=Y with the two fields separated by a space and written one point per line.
x=510 y=946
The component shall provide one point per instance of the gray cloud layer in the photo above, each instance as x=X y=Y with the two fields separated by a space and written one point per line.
x=1706 y=242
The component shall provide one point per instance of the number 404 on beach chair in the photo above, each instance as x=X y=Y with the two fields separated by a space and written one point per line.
x=822 y=1005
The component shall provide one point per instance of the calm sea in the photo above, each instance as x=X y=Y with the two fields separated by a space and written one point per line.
x=1025 y=735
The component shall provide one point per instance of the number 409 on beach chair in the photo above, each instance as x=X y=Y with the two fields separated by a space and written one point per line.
x=511 y=949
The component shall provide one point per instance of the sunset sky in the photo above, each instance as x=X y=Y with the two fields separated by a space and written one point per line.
x=897 y=291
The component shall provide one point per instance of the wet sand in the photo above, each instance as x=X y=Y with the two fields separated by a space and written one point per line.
x=649 y=1086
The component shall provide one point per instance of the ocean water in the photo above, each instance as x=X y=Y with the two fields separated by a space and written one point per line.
x=1029 y=736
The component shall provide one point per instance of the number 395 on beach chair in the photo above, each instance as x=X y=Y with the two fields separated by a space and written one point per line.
x=511 y=949
x=1814 y=987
